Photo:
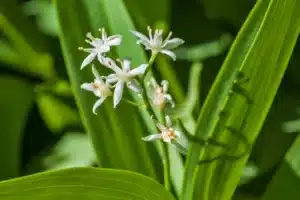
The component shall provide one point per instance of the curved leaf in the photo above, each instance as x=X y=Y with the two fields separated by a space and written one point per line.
x=263 y=62
x=83 y=184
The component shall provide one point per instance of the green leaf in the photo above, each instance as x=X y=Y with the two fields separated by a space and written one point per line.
x=73 y=150
x=201 y=52
x=285 y=183
x=57 y=114
x=142 y=11
x=26 y=41
x=263 y=62
x=46 y=17
x=9 y=55
x=16 y=99
x=84 y=184
x=234 y=11
x=115 y=136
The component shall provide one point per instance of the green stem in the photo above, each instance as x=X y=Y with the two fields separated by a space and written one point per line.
x=166 y=161
x=146 y=99
x=151 y=61
x=132 y=103
x=166 y=166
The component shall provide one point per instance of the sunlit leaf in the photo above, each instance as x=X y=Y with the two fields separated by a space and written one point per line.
x=83 y=184
x=263 y=62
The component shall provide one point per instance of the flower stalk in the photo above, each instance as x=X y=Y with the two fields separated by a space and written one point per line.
x=124 y=76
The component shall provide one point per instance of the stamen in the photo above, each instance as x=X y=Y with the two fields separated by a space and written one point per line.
x=169 y=36
x=89 y=42
x=150 y=33
x=90 y=36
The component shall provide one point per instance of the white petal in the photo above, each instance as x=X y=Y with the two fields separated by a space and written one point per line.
x=146 y=44
x=167 y=139
x=112 y=78
x=97 y=75
x=134 y=86
x=87 y=86
x=157 y=38
x=126 y=65
x=97 y=104
x=118 y=93
x=114 y=40
x=101 y=58
x=165 y=85
x=161 y=127
x=138 y=70
x=110 y=63
x=168 y=121
x=104 y=35
x=152 y=137
x=169 y=53
x=141 y=36
x=173 y=43
x=88 y=60
x=168 y=97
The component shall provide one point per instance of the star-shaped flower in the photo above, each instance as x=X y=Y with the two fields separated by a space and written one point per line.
x=167 y=133
x=123 y=75
x=99 y=46
x=160 y=96
x=99 y=88
x=156 y=44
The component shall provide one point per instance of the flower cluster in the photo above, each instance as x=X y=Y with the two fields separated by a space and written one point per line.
x=123 y=74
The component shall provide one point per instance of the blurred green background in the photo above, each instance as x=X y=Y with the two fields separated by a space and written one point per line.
x=39 y=121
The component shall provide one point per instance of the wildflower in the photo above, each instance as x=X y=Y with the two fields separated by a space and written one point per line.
x=123 y=75
x=160 y=96
x=156 y=44
x=99 y=46
x=99 y=88
x=167 y=133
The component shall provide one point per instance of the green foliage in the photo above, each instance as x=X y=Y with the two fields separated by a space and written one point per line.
x=108 y=140
x=20 y=94
x=284 y=183
x=87 y=183
x=234 y=117
x=262 y=61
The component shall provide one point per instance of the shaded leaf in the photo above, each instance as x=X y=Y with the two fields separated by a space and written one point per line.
x=17 y=97
x=285 y=183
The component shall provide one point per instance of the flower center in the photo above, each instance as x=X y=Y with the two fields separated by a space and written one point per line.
x=168 y=134
x=101 y=89
x=101 y=46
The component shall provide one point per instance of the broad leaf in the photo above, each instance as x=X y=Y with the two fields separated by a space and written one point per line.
x=83 y=184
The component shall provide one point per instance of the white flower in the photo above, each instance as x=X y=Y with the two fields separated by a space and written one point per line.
x=156 y=44
x=99 y=46
x=122 y=76
x=99 y=88
x=160 y=96
x=167 y=133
